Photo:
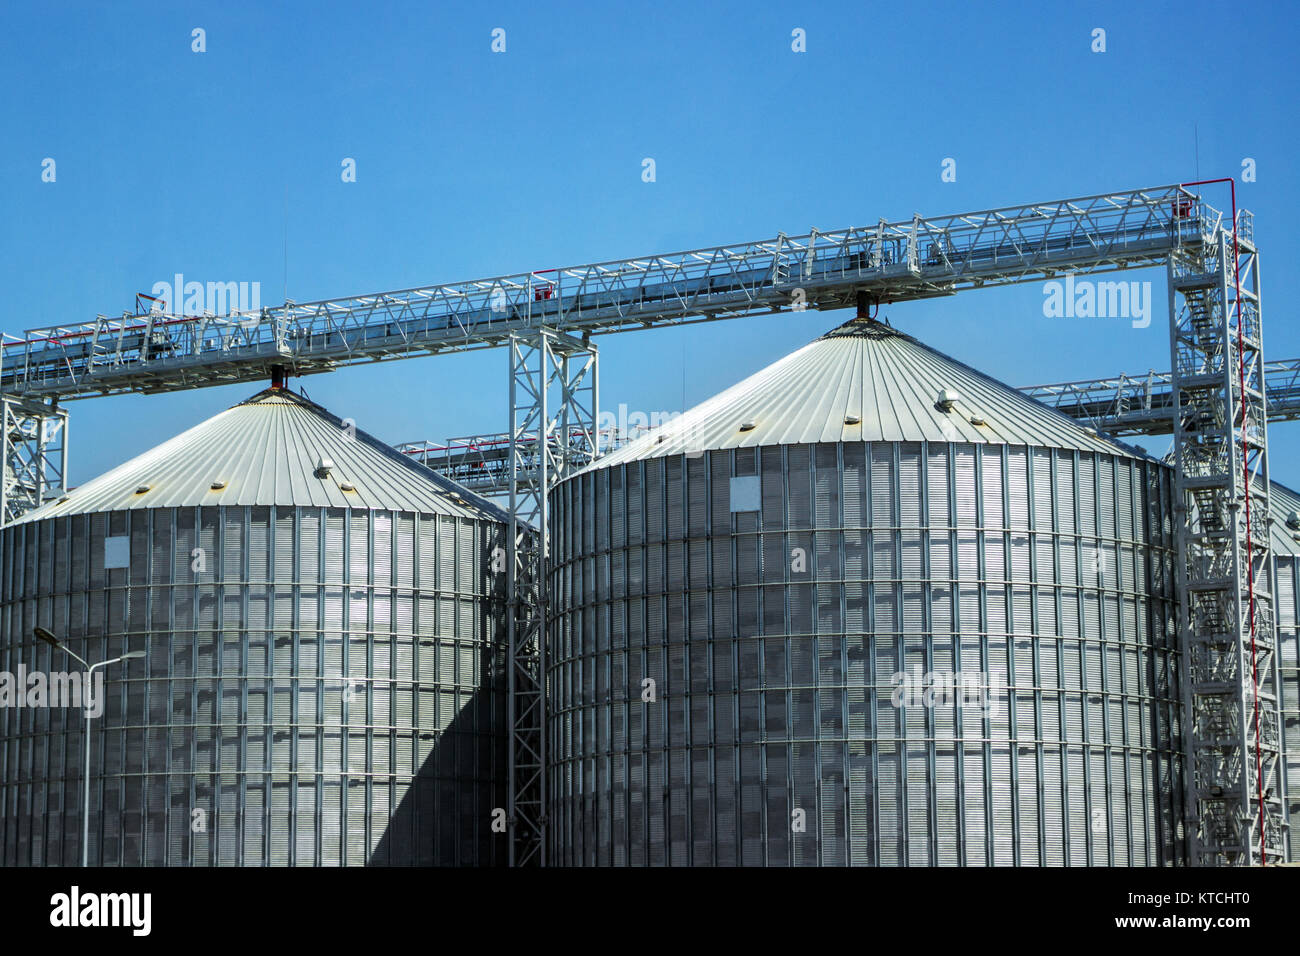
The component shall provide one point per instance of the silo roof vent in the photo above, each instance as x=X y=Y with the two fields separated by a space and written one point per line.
x=746 y=426
x=217 y=485
x=141 y=489
x=1293 y=519
x=852 y=419
x=323 y=467
x=947 y=398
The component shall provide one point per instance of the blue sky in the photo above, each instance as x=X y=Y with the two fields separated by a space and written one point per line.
x=225 y=166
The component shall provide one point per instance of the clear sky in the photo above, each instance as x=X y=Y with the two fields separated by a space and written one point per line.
x=225 y=166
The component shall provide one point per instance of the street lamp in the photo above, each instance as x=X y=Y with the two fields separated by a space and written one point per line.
x=53 y=641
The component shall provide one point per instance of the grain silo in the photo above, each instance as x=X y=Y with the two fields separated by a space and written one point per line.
x=868 y=606
x=1285 y=544
x=323 y=651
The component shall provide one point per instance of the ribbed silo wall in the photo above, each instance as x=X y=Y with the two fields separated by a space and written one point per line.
x=775 y=678
x=237 y=740
x=1287 y=588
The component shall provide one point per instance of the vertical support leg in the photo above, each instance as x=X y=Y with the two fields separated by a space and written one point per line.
x=34 y=458
x=554 y=408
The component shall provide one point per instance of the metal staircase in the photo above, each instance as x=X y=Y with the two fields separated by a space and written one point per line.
x=1226 y=610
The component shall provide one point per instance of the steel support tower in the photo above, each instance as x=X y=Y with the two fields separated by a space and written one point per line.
x=1226 y=611
x=34 y=458
x=554 y=409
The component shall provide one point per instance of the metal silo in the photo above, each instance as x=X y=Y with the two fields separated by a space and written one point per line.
x=1286 y=563
x=894 y=613
x=323 y=651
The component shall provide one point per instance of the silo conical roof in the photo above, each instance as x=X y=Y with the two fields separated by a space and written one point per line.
x=267 y=451
x=865 y=381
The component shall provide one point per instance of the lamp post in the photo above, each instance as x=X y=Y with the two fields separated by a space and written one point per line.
x=53 y=641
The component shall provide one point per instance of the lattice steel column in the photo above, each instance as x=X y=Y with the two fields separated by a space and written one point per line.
x=34 y=463
x=1226 y=611
x=554 y=408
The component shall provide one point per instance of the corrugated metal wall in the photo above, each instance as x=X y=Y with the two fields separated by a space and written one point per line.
x=773 y=638
x=240 y=718
x=1288 y=657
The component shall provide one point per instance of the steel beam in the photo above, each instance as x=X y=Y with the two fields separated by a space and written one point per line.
x=554 y=408
x=914 y=258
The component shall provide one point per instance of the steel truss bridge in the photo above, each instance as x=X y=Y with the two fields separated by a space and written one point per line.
x=1216 y=400
x=1143 y=404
